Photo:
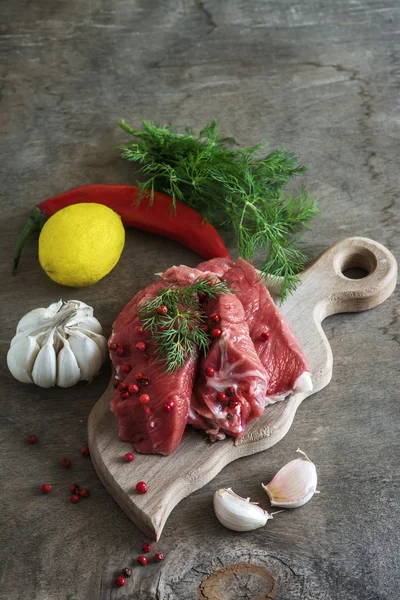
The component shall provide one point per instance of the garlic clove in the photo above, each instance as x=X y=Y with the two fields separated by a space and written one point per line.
x=38 y=317
x=68 y=371
x=86 y=322
x=35 y=317
x=237 y=513
x=44 y=372
x=87 y=353
x=21 y=357
x=294 y=484
x=54 y=308
x=81 y=308
x=100 y=341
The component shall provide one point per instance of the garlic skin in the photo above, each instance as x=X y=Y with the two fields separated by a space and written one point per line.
x=58 y=345
x=38 y=315
x=44 y=372
x=294 y=484
x=68 y=371
x=87 y=353
x=237 y=513
x=21 y=357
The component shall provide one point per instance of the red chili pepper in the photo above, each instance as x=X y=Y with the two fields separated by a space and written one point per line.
x=181 y=223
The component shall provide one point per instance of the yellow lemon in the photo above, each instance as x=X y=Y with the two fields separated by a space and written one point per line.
x=81 y=243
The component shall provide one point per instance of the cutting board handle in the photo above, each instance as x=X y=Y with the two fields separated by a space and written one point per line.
x=339 y=293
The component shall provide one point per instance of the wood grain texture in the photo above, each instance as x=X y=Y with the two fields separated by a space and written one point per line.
x=324 y=291
x=318 y=76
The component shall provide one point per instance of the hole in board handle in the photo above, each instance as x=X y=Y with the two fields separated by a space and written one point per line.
x=359 y=264
x=355 y=273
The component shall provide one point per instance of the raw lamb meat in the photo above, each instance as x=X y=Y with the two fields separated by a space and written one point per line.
x=150 y=428
x=230 y=388
x=286 y=366
x=255 y=361
x=233 y=359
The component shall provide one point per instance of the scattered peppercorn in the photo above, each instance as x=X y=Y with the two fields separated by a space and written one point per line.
x=133 y=388
x=142 y=560
x=216 y=333
x=127 y=572
x=66 y=463
x=46 y=488
x=120 y=351
x=126 y=368
x=142 y=379
x=128 y=457
x=162 y=310
x=120 y=581
x=144 y=399
x=230 y=391
x=84 y=493
x=221 y=397
x=169 y=406
x=32 y=439
x=146 y=547
x=214 y=318
x=141 y=346
x=141 y=487
x=210 y=372
x=74 y=488
x=85 y=451
x=264 y=337
x=159 y=556
x=74 y=498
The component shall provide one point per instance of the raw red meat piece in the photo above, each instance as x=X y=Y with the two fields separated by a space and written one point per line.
x=281 y=354
x=234 y=360
x=149 y=427
x=237 y=367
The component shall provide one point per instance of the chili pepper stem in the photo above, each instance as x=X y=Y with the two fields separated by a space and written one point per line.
x=35 y=223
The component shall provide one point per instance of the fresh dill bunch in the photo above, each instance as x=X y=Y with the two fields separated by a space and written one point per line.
x=177 y=332
x=233 y=188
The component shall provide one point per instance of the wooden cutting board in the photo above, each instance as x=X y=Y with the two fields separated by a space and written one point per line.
x=324 y=290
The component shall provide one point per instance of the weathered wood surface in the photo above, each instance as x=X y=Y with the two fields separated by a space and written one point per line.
x=321 y=77
x=325 y=290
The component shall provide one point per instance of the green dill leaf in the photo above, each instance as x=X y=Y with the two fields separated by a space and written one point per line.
x=176 y=334
x=235 y=189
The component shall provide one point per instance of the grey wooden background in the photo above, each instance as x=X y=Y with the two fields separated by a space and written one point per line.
x=319 y=76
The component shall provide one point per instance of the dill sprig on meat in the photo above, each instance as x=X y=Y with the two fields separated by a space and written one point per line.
x=176 y=334
x=232 y=188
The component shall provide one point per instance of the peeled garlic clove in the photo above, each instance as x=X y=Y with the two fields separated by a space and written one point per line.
x=21 y=357
x=68 y=371
x=294 y=485
x=87 y=353
x=44 y=372
x=237 y=513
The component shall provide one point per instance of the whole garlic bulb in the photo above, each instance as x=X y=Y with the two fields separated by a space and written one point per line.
x=59 y=345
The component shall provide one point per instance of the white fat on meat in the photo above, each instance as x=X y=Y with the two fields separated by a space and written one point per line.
x=302 y=385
